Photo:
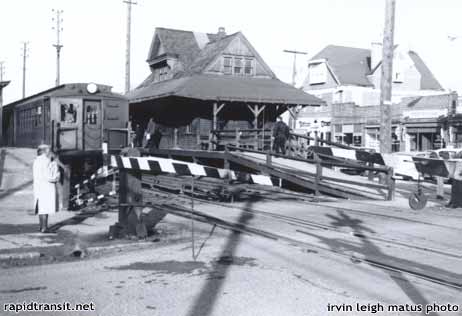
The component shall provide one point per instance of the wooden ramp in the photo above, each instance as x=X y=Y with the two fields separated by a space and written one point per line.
x=305 y=174
x=315 y=175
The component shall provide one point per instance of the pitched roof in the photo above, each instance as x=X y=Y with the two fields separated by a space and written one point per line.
x=351 y=65
x=427 y=79
x=225 y=88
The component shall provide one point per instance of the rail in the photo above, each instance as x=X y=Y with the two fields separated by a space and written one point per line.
x=320 y=140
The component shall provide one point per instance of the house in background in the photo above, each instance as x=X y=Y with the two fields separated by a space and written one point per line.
x=204 y=82
x=348 y=79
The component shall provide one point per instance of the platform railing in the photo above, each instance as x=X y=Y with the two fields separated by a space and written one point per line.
x=246 y=138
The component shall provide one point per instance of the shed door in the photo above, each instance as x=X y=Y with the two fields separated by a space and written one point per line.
x=92 y=124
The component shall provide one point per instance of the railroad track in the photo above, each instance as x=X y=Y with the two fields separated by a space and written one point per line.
x=304 y=223
x=446 y=279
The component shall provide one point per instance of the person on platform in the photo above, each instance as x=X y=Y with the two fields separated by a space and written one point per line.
x=456 y=186
x=153 y=135
x=46 y=175
x=138 y=141
x=281 y=133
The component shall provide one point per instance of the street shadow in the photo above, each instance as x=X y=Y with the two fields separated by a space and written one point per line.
x=16 y=189
x=211 y=290
x=371 y=252
x=79 y=218
x=11 y=229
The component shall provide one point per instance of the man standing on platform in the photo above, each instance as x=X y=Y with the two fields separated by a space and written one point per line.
x=281 y=134
x=456 y=185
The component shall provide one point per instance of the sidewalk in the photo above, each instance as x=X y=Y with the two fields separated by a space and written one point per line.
x=20 y=239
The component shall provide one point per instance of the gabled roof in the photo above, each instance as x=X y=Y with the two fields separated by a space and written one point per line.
x=351 y=66
x=210 y=52
x=193 y=80
x=427 y=79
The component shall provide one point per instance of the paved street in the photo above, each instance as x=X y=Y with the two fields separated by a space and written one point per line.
x=238 y=274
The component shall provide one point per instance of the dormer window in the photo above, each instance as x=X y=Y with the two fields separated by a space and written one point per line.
x=317 y=72
x=237 y=65
x=160 y=71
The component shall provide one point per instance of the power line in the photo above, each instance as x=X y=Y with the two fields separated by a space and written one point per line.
x=58 y=28
x=127 y=52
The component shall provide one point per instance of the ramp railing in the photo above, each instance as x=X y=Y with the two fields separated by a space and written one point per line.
x=318 y=160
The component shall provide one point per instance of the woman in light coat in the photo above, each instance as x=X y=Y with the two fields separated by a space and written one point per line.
x=46 y=174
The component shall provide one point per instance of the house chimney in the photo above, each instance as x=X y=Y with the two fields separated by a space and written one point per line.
x=376 y=54
x=221 y=32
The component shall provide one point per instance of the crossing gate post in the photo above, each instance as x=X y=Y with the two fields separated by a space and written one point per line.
x=391 y=184
x=318 y=176
x=130 y=192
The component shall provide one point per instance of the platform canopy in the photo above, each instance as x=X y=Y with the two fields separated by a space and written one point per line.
x=195 y=96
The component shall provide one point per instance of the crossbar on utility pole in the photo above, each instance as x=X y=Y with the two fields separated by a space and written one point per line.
x=58 y=44
x=386 y=79
x=294 y=75
x=294 y=69
x=127 y=52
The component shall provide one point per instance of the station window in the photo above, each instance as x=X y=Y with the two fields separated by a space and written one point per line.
x=248 y=70
x=238 y=66
x=68 y=113
x=227 y=65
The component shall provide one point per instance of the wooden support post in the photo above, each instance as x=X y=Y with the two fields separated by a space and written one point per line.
x=370 y=173
x=238 y=137
x=175 y=138
x=318 y=176
x=130 y=192
x=65 y=186
x=198 y=139
x=316 y=141
x=390 y=184
x=440 y=188
x=269 y=161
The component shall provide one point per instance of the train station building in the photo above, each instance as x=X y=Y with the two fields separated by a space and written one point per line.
x=348 y=79
x=203 y=82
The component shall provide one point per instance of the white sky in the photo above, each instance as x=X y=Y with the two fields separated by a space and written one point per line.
x=94 y=34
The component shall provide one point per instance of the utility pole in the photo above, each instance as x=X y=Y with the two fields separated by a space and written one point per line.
x=386 y=79
x=127 y=52
x=294 y=70
x=24 y=58
x=292 y=115
x=3 y=84
x=58 y=19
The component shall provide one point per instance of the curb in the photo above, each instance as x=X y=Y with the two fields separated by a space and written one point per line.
x=92 y=250
x=20 y=256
